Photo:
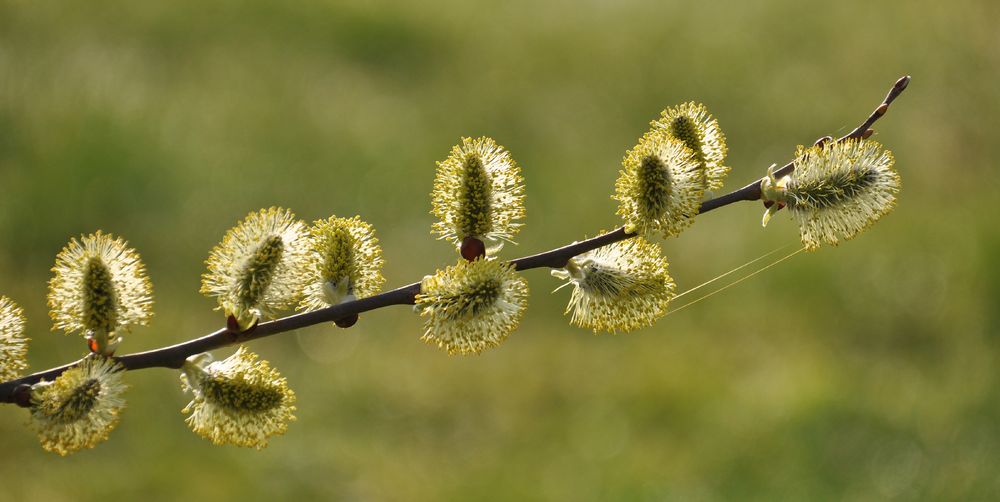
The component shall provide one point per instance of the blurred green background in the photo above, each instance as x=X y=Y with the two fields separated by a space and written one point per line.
x=867 y=371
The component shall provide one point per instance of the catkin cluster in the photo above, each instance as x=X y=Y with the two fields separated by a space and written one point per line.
x=271 y=263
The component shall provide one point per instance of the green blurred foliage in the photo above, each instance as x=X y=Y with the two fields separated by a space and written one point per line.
x=862 y=372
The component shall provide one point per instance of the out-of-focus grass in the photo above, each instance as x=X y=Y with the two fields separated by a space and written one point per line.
x=865 y=371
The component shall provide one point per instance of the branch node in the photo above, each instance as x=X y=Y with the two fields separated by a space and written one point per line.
x=822 y=141
x=473 y=248
x=233 y=327
x=22 y=395
x=346 y=322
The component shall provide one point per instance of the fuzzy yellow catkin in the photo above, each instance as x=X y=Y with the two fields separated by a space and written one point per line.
x=478 y=192
x=13 y=343
x=619 y=287
x=837 y=190
x=660 y=186
x=100 y=287
x=240 y=400
x=80 y=407
x=257 y=269
x=471 y=306
x=692 y=124
x=344 y=261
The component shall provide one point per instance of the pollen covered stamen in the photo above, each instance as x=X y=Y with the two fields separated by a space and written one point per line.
x=475 y=299
x=692 y=124
x=654 y=185
x=338 y=258
x=239 y=395
x=258 y=271
x=100 y=301
x=839 y=188
x=611 y=281
x=77 y=404
x=474 y=213
x=684 y=128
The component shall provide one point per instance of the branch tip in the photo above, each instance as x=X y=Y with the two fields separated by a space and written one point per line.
x=902 y=83
x=897 y=89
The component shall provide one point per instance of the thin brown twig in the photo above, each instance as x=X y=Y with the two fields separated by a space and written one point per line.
x=173 y=356
x=752 y=191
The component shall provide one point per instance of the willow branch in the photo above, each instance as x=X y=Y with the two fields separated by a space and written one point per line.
x=173 y=356
x=752 y=191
